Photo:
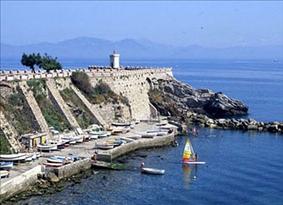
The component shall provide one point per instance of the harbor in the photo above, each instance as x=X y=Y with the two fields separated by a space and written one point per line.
x=26 y=174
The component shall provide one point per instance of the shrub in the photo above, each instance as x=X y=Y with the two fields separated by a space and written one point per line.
x=81 y=80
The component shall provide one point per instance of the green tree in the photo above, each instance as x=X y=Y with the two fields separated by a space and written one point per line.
x=48 y=63
x=31 y=60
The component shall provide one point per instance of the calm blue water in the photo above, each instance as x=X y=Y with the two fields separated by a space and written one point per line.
x=242 y=167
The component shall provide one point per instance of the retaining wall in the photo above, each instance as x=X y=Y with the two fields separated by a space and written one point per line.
x=19 y=183
x=72 y=169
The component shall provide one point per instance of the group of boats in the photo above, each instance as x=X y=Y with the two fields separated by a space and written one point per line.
x=64 y=140
x=7 y=161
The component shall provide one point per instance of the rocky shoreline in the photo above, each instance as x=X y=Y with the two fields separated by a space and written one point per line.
x=235 y=124
x=202 y=107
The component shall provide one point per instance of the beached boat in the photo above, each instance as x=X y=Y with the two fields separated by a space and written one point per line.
x=55 y=160
x=121 y=124
x=152 y=171
x=4 y=173
x=93 y=137
x=117 y=130
x=30 y=157
x=47 y=148
x=13 y=157
x=148 y=135
x=189 y=156
x=104 y=146
x=6 y=165
x=135 y=136
x=49 y=164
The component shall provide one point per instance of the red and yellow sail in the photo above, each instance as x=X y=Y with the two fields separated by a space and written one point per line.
x=188 y=154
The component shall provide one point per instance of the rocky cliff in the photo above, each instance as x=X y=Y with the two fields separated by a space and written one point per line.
x=172 y=97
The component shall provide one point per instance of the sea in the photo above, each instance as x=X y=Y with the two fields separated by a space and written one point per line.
x=241 y=167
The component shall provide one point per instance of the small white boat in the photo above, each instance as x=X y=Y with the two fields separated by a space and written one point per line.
x=29 y=158
x=49 y=164
x=93 y=137
x=48 y=148
x=4 y=173
x=13 y=157
x=135 y=136
x=104 y=146
x=6 y=165
x=73 y=142
x=152 y=171
x=54 y=160
x=117 y=130
x=161 y=133
x=80 y=140
x=123 y=124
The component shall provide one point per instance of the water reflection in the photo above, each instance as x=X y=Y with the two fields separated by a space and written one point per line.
x=189 y=174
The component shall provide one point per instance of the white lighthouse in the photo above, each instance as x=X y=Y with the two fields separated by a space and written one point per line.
x=115 y=60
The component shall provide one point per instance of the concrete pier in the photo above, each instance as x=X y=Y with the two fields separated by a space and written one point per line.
x=19 y=183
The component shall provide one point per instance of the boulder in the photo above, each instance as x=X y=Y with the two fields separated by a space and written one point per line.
x=52 y=177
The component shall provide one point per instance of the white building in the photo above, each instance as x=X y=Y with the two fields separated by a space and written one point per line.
x=115 y=60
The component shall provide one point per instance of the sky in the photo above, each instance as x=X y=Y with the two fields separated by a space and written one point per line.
x=182 y=23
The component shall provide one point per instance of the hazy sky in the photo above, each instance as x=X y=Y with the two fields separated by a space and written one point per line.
x=215 y=23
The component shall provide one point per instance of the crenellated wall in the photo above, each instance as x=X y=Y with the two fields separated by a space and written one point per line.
x=131 y=82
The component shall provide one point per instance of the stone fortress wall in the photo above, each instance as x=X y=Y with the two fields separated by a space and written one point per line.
x=131 y=82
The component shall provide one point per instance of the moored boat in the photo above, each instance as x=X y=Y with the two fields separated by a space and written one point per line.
x=152 y=171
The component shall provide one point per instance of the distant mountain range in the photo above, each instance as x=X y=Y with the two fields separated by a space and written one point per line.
x=94 y=48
